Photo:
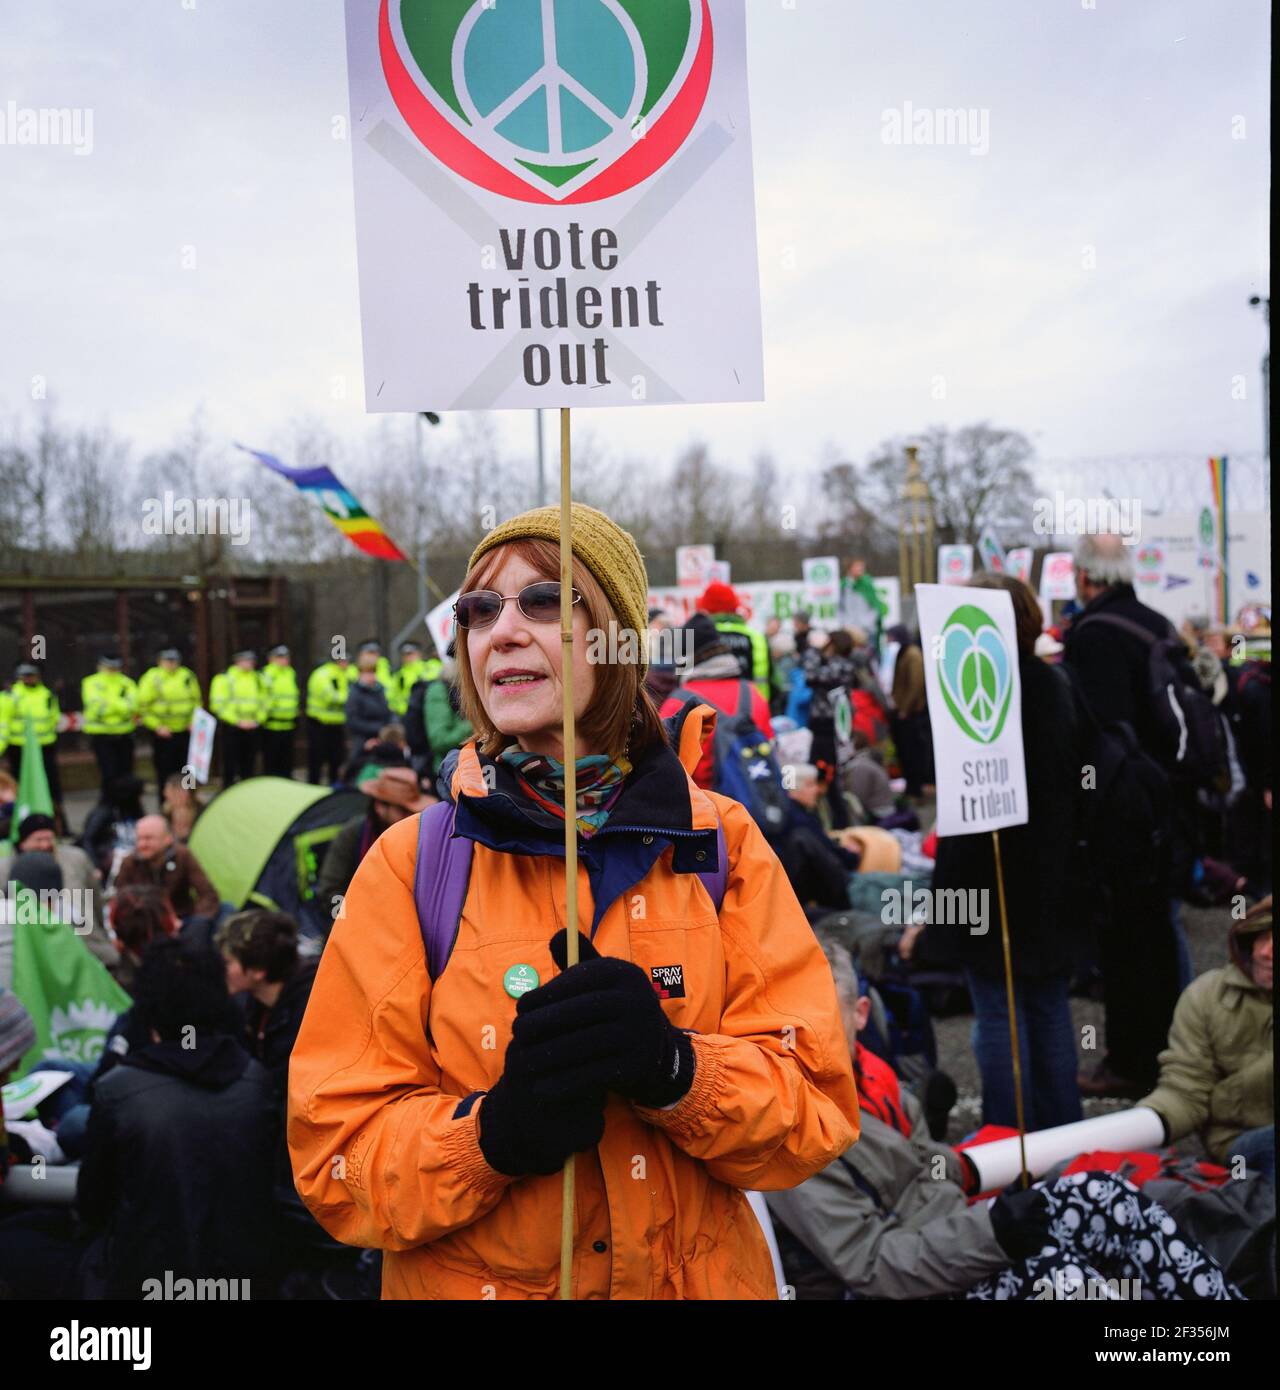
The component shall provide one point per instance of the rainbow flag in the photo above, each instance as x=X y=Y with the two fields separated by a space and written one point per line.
x=339 y=505
x=1218 y=486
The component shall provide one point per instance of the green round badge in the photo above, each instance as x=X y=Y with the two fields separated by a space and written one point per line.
x=520 y=979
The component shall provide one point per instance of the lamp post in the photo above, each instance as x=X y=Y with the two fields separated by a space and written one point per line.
x=915 y=560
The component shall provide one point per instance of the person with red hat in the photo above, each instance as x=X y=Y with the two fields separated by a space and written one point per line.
x=722 y=605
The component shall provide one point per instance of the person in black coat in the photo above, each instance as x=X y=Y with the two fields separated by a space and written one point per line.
x=111 y=825
x=260 y=951
x=1043 y=927
x=367 y=709
x=1141 y=943
x=817 y=868
x=176 y=1172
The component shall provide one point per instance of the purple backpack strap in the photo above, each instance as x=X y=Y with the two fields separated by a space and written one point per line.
x=443 y=871
x=714 y=880
x=440 y=881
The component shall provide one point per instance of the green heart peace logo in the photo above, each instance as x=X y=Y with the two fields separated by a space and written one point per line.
x=549 y=101
x=975 y=672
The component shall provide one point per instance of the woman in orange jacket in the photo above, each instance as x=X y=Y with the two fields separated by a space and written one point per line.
x=449 y=1063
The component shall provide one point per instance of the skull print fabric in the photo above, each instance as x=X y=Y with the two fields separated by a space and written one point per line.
x=1105 y=1240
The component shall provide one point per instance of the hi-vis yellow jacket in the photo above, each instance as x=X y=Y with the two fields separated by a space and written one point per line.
x=109 y=703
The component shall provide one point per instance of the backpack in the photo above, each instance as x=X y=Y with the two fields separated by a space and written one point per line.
x=744 y=765
x=1125 y=820
x=1184 y=718
x=443 y=872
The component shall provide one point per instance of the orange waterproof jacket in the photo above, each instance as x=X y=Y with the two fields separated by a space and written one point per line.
x=387 y=1077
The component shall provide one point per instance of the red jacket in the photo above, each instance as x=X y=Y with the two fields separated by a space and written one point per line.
x=724 y=696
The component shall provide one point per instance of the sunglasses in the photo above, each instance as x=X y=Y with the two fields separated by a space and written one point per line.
x=540 y=603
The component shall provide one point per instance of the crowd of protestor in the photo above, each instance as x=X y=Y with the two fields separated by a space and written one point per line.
x=823 y=734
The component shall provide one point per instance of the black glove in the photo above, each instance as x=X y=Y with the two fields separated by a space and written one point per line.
x=600 y=1025
x=522 y=1133
x=1020 y=1221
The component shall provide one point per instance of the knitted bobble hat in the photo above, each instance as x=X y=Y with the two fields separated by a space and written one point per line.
x=609 y=552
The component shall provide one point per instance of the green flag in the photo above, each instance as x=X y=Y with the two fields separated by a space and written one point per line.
x=68 y=993
x=33 y=785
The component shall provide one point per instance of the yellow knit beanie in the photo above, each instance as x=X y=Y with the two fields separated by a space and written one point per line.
x=609 y=552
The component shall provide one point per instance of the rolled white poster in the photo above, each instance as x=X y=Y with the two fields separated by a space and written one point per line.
x=54 y=1185
x=998 y=1163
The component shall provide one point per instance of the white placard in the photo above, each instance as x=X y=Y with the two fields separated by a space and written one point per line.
x=200 y=744
x=554 y=203
x=888 y=591
x=821 y=581
x=440 y=623
x=994 y=560
x=760 y=600
x=1058 y=576
x=955 y=564
x=1018 y=561
x=23 y=1096
x=975 y=707
x=694 y=564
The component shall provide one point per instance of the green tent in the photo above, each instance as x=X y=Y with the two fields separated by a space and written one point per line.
x=263 y=841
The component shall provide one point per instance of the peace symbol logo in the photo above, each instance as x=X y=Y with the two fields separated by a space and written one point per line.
x=975 y=672
x=549 y=101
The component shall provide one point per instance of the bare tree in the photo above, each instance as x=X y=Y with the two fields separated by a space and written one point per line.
x=92 y=501
x=701 y=500
x=978 y=477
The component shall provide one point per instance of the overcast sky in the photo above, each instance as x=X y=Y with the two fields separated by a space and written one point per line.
x=883 y=267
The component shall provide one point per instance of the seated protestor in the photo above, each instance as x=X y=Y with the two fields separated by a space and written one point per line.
x=817 y=867
x=395 y=735
x=393 y=795
x=261 y=954
x=175 y=1179
x=273 y=985
x=17 y=1038
x=37 y=1249
x=82 y=903
x=182 y=806
x=110 y=830
x=890 y=1219
x=138 y=916
x=1217 y=1076
x=866 y=777
x=368 y=763
x=161 y=861
x=140 y=913
x=42 y=874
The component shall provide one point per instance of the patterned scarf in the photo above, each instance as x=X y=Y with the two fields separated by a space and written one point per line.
x=542 y=778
